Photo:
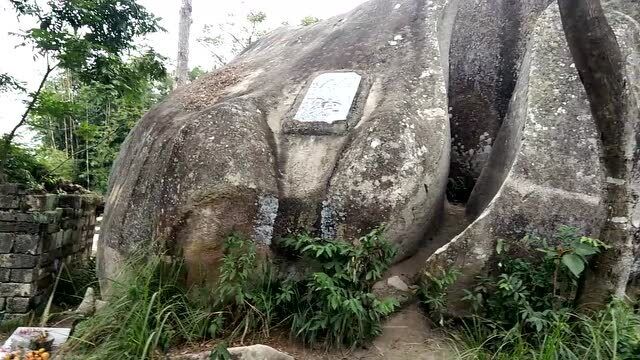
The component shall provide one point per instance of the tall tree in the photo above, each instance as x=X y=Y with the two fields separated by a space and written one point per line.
x=86 y=38
x=228 y=39
x=599 y=62
x=182 y=66
x=81 y=125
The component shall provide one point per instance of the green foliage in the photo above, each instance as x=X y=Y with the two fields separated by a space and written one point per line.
x=432 y=291
x=525 y=308
x=150 y=309
x=106 y=84
x=612 y=333
x=529 y=292
x=56 y=162
x=83 y=125
x=86 y=37
x=244 y=297
x=26 y=166
x=220 y=352
x=196 y=72
x=309 y=20
x=256 y=17
x=334 y=302
x=7 y=327
x=9 y=83
x=571 y=249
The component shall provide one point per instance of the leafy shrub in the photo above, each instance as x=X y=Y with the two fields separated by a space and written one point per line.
x=530 y=292
x=35 y=168
x=330 y=302
x=243 y=301
x=432 y=291
x=334 y=302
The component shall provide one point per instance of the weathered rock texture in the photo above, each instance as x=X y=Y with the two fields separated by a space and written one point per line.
x=487 y=46
x=38 y=232
x=225 y=155
x=546 y=168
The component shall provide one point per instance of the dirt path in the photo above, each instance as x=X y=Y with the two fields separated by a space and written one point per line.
x=407 y=335
x=453 y=223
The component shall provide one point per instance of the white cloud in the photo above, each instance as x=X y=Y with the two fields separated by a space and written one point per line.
x=19 y=61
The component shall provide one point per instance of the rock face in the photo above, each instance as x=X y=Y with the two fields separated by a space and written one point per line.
x=333 y=128
x=545 y=168
x=488 y=43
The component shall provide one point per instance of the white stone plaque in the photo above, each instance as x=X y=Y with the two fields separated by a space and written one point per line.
x=20 y=337
x=329 y=97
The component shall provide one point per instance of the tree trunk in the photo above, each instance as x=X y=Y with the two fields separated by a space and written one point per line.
x=66 y=136
x=600 y=64
x=182 y=64
x=86 y=148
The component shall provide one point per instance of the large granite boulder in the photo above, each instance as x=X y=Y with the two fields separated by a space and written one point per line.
x=334 y=128
x=488 y=43
x=546 y=167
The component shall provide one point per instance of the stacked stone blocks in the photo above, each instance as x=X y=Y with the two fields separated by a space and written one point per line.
x=39 y=232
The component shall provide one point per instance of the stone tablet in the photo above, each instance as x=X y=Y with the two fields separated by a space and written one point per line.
x=329 y=97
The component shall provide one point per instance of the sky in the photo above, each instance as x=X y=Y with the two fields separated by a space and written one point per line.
x=19 y=61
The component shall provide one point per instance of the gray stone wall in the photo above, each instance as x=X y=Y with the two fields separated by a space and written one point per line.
x=38 y=232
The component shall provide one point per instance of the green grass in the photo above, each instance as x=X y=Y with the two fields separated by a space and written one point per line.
x=329 y=301
x=74 y=281
x=148 y=312
x=7 y=327
x=612 y=333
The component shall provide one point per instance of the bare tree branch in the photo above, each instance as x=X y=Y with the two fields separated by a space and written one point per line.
x=34 y=98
